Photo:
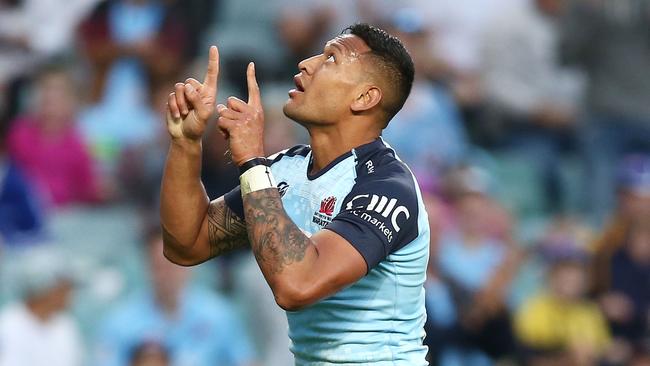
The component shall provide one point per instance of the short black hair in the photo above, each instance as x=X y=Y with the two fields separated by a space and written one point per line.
x=394 y=60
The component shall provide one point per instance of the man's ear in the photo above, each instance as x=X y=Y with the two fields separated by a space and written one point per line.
x=368 y=98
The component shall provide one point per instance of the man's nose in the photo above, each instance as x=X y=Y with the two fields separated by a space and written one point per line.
x=309 y=65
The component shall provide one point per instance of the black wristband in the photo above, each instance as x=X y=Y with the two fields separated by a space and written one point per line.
x=251 y=163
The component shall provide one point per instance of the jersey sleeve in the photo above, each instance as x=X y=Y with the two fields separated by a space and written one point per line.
x=379 y=215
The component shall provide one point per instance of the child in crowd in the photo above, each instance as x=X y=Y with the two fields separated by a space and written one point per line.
x=560 y=326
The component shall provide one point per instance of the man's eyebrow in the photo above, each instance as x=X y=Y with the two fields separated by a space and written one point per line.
x=335 y=45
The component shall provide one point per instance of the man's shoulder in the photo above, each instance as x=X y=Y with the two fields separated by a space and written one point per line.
x=378 y=164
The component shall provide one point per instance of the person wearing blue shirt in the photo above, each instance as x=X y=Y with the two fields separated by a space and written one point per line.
x=195 y=325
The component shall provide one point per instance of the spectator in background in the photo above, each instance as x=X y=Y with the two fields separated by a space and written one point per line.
x=633 y=205
x=609 y=39
x=132 y=47
x=34 y=30
x=31 y=32
x=56 y=24
x=36 y=331
x=627 y=301
x=441 y=314
x=14 y=50
x=140 y=165
x=560 y=326
x=457 y=27
x=136 y=39
x=16 y=58
x=427 y=133
x=476 y=259
x=196 y=326
x=21 y=217
x=533 y=98
x=46 y=145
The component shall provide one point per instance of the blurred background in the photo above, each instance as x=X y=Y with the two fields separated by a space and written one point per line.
x=528 y=128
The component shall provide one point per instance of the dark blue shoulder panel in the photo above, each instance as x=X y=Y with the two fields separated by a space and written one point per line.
x=380 y=214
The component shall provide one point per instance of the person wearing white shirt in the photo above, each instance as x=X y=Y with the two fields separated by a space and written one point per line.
x=36 y=331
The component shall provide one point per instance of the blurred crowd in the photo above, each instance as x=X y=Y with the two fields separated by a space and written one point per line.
x=528 y=128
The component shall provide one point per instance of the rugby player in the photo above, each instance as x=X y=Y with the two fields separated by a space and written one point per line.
x=338 y=227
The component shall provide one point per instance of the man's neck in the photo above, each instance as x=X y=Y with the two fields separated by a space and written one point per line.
x=329 y=144
x=169 y=304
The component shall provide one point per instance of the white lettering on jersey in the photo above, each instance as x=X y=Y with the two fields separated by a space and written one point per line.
x=382 y=205
x=399 y=210
x=351 y=203
x=370 y=166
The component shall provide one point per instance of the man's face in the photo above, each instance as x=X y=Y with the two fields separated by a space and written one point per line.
x=59 y=296
x=568 y=281
x=55 y=99
x=328 y=83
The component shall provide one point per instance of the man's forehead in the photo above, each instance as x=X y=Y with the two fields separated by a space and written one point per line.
x=350 y=43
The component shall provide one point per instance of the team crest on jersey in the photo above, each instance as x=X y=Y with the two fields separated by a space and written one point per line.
x=323 y=216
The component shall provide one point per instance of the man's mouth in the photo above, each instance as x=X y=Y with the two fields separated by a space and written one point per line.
x=298 y=82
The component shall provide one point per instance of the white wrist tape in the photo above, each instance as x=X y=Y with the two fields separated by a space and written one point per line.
x=256 y=178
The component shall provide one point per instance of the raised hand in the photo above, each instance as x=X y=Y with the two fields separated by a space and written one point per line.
x=243 y=123
x=191 y=104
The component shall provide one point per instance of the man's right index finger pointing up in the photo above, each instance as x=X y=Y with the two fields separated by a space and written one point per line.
x=210 y=80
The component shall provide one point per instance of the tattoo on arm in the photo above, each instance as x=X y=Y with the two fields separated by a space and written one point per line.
x=226 y=230
x=275 y=239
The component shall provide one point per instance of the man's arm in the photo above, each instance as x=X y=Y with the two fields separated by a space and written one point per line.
x=194 y=230
x=300 y=270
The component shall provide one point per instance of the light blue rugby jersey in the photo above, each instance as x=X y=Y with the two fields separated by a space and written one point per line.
x=369 y=197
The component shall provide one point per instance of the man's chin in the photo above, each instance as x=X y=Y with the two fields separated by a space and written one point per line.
x=289 y=110
x=296 y=113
